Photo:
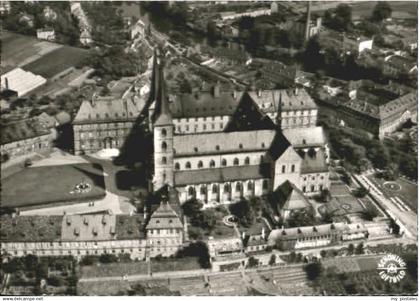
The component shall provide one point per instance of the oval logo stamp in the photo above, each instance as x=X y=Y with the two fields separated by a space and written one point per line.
x=392 y=268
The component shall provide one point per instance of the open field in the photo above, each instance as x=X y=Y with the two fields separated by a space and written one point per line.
x=18 y=50
x=57 y=61
x=40 y=57
x=361 y=9
x=52 y=184
x=178 y=264
x=407 y=193
x=113 y=269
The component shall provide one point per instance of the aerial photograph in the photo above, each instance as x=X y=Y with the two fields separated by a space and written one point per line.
x=208 y=148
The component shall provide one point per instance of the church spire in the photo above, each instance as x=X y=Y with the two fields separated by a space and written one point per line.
x=163 y=113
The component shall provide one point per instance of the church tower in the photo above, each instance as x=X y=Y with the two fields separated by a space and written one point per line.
x=308 y=21
x=163 y=131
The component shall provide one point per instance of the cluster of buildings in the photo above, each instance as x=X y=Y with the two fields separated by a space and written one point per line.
x=379 y=109
x=30 y=136
x=161 y=231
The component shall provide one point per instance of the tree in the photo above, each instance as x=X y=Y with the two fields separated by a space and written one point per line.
x=313 y=271
x=382 y=11
x=55 y=281
x=340 y=18
x=107 y=258
x=323 y=253
x=272 y=260
x=360 y=192
x=252 y=262
x=243 y=211
x=350 y=249
x=359 y=249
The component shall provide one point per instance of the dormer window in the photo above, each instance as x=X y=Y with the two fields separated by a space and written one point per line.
x=241 y=146
x=195 y=149
x=217 y=147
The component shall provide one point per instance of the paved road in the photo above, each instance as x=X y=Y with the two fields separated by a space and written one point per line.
x=407 y=218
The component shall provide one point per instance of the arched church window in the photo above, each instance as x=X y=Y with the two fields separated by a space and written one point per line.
x=177 y=167
x=265 y=184
x=163 y=132
x=163 y=160
x=250 y=186
x=188 y=165
x=164 y=146
x=203 y=189
x=293 y=168
x=224 y=163
x=226 y=188
x=236 y=161
x=238 y=187
x=191 y=191
x=214 y=188
x=212 y=163
x=200 y=164
x=247 y=161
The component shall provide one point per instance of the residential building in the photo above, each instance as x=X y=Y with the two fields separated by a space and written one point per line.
x=103 y=122
x=25 y=137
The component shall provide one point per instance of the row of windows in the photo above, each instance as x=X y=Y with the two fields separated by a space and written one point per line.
x=213 y=118
x=204 y=127
x=313 y=177
x=104 y=125
x=106 y=115
x=302 y=120
x=312 y=188
x=157 y=231
x=212 y=163
x=298 y=113
x=283 y=168
x=78 y=252
x=226 y=188
x=96 y=134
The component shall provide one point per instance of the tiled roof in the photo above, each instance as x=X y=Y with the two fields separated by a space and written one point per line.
x=220 y=175
x=88 y=227
x=21 y=130
x=406 y=102
x=164 y=218
x=290 y=197
x=401 y=62
x=305 y=137
x=106 y=109
x=221 y=142
x=269 y=100
x=205 y=104
x=293 y=233
x=71 y=228
x=255 y=240
x=101 y=227
x=314 y=164
x=129 y=226
x=30 y=228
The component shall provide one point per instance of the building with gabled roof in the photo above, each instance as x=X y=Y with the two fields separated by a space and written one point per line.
x=164 y=231
x=29 y=136
x=73 y=235
x=103 y=122
x=289 y=199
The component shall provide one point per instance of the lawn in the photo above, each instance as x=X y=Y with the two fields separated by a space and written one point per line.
x=50 y=184
x=408 y=192
x=113 y=269
x=57 y=61
x=18 y=49
x=177 y=264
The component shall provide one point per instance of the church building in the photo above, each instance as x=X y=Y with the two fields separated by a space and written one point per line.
x=220 y=146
